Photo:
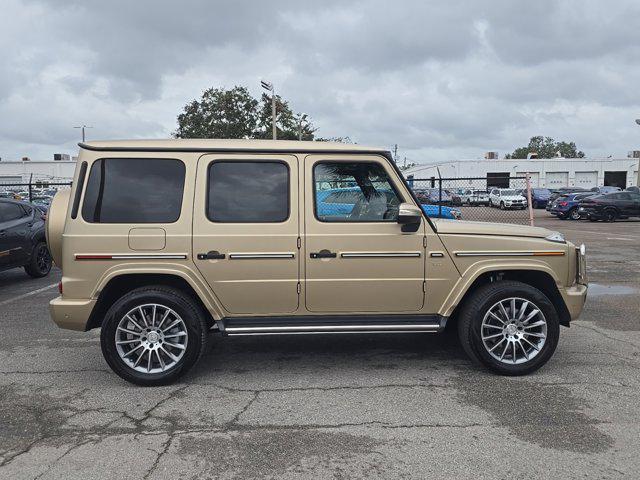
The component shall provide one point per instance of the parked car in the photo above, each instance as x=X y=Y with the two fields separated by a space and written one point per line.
x=556 y=192
x=606 y=189
x=474 y=197
x=433 y=196
x=633 y=189
x=22 y=238
x=506 y=198
x=540 y=197
x=611 y=206
x=567 y=205
x=456 y=200
x=41 y=200
x=228 y=236
x=442 y=211
x=340 y=203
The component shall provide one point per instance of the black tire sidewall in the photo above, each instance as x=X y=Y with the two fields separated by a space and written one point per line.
x=489 y=296
x=182 y=305
x=33 y=268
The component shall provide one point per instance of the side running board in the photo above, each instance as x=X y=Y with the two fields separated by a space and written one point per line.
x=330 y=324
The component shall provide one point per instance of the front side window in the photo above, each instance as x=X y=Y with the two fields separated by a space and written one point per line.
x=248 y=192
x=354 y=192
x=134 y=190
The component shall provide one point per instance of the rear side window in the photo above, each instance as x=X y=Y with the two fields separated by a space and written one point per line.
x=10 y=211
x=248 y=192
x=134 y=190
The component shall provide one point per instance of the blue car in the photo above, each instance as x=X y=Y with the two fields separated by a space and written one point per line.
x=539 y=196
x=566 y=206
x=339 y=202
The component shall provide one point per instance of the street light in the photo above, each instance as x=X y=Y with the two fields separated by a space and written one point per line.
x=303 y=117
x=83 y=127
x=269 y=87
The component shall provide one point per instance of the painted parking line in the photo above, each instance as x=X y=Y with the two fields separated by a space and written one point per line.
x=623 y=238
x=29 y=294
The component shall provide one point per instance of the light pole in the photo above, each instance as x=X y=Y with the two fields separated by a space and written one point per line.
x=83 y=127
x=638 y=178
x=269 y=87
x=303 y=117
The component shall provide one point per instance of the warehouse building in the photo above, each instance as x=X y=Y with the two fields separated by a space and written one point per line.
x=543 y=172
x=60 y=169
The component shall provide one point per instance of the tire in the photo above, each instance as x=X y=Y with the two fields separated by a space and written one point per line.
x=534 y=204
x=190 y=335
x=610 y=216
x=40 y=263
x=476 y=311
x=574 y=214
x=501 y=205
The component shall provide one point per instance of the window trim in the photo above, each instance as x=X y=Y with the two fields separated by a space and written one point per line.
x=86 y=186
x=315 y=192
x=231 y=160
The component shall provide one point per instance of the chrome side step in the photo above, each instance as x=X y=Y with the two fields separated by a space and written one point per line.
x=309 y=325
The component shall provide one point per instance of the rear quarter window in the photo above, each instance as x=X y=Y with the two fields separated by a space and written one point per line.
x=134 y=190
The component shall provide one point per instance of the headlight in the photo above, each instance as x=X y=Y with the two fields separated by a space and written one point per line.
x=556 y=237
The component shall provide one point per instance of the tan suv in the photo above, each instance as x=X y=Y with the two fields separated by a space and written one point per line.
x=162 y=241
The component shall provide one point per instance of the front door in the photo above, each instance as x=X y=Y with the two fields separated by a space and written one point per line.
x=357 y=258
x=15 y=222
x=246 y=229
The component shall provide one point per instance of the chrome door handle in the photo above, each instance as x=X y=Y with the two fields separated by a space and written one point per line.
x=212 y=255
x=323 y=254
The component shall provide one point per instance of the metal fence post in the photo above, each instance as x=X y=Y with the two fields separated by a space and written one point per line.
x=30 y=188
x=440 y=197
x=529 y=200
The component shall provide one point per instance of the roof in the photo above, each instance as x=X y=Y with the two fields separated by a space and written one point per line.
x=213 y=145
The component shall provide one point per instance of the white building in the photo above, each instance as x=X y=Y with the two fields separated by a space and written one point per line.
x=544 y=172
x=37 y=170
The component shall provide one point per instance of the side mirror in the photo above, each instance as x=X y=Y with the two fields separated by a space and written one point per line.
x=409 y=214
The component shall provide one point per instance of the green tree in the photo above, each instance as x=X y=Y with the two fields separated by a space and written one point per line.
x=219 y=113
x=547 y=147
x=234 y=113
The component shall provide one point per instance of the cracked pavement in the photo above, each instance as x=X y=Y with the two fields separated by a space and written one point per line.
x=370 y=406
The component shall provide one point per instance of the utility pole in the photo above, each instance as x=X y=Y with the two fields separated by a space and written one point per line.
x=269 y=87
x=638 y=178
x=83 y=127
x=303 y=116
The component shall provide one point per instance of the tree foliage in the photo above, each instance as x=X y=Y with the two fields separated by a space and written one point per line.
x=234 y=113
x=547 y=147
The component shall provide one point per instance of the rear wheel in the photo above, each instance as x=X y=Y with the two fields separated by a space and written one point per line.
x=509 y=327
x=40 y=262
x=153 y=335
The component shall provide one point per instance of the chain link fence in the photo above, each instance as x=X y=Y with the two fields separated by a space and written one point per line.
x=480 y=199
x=38 y=189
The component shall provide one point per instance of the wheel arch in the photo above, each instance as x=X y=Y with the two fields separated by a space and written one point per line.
x=536 y=277
x=120 y=284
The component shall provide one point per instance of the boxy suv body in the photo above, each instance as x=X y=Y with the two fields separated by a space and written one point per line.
x=161 y=241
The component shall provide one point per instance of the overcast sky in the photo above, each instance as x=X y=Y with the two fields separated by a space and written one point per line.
x=442 y=79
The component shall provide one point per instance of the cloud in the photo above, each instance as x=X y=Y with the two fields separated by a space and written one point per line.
x=443 y=80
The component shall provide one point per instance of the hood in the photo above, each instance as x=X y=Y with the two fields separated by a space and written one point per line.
x=512 y=197
x=463 y=227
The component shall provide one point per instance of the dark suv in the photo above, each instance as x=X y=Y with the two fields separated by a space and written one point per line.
x=611 y=206
x=22 y=238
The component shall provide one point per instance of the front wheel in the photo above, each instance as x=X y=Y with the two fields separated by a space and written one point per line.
x=509 y=327
x=153 y=335
x=574 y=214
x=610 y=216
x=501 y=205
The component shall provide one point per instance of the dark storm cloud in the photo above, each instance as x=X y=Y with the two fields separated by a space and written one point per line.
x=441 y=79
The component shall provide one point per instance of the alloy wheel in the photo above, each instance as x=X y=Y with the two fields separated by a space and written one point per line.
x=43 y=258
x=151 y=338
x=514 y=330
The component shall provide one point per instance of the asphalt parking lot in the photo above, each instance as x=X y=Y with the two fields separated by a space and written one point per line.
x=375 y=406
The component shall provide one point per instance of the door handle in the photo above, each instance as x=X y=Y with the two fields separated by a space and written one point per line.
x=212 y=255
x=322 y=254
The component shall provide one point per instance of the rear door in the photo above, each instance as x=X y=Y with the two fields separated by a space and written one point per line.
x=359 y=260
x=246 y=231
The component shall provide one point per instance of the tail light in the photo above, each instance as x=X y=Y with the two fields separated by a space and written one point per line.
x=60 y=287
